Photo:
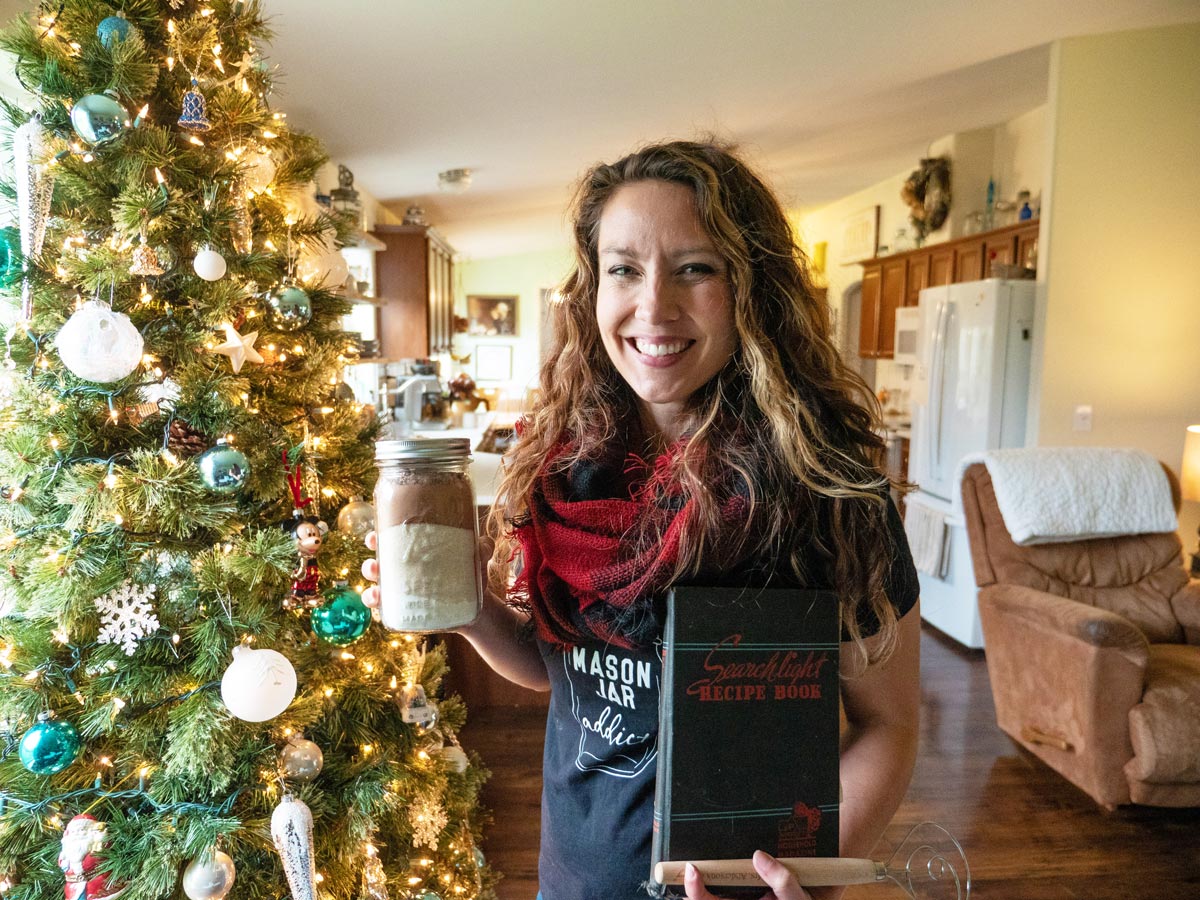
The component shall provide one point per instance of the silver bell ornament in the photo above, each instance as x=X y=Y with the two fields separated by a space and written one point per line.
x=302 y=760
x=99 y=118
x=209 y=264
x=290 y=306
x=99 y=345
x=258 y=685
x=209 y=876
x=356 y=518
x=292 y=832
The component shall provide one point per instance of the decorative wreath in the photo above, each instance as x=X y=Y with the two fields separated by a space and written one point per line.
x=927 y=193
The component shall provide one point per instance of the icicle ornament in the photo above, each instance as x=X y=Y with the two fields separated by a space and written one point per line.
x=292 y=832
x=35 y=185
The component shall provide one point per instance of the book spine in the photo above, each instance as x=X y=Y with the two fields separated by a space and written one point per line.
x=662 y=787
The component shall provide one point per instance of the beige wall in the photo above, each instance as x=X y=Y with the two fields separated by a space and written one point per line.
x=524 y=275
x=1121 y=245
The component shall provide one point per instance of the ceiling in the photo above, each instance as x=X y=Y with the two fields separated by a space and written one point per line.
x=826 y=96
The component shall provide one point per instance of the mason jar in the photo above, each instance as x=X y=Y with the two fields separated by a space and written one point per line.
x=427 y=529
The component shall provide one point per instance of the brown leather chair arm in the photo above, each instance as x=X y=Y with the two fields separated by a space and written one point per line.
x=1064 y=677
x=1074 y=621
x=1186 y=606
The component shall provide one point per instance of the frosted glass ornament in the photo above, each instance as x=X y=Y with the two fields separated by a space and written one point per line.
x=292 y=832
x=356 y=518
x=258 y=685
x=209 y=264
x=302 y=760
x=209 y=876
x=259 y=171
x=99 y=345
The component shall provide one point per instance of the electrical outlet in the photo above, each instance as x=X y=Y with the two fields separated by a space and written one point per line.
x=1082 y=420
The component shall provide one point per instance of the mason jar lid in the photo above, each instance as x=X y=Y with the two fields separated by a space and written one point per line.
x=423 y=449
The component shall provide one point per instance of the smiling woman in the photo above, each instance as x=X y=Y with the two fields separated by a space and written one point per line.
x=663 y=304
x=694 y=425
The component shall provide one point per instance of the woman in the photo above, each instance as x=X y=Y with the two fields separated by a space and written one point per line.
x=695 y=425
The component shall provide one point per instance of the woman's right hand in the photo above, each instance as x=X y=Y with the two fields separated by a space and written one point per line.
x=370 y=571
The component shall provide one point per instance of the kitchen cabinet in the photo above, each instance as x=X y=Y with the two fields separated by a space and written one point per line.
x=414 y=288
x=884 y=288
x=897 y=280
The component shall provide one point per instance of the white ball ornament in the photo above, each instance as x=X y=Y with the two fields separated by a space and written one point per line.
x=209 y=264
x=258 y=685
x=98 y=344
x=209 y=876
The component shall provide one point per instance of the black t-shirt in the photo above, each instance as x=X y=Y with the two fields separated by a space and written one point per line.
x=601 y=750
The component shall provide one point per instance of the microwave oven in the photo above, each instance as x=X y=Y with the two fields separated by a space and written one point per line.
x=908 y=323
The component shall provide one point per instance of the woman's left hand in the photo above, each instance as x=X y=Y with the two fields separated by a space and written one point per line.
x=783 y=883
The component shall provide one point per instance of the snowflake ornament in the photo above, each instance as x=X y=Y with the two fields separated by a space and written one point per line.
x=127 y=615
x=427 y=817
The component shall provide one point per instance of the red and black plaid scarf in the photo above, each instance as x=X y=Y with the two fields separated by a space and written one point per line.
x=595 y=561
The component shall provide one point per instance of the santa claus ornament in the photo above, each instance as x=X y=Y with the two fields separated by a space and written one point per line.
x=83 y=841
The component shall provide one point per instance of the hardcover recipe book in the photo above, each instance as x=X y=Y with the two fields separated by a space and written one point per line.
x=748 y=743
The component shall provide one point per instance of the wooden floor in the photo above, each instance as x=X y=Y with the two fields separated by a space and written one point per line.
x=1028 y=834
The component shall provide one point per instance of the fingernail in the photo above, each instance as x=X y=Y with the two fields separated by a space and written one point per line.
x=690 y=871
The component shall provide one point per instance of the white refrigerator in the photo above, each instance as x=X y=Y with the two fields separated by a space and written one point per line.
x=970 y=394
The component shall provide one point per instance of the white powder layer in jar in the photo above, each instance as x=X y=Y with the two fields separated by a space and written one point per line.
x=430 y=578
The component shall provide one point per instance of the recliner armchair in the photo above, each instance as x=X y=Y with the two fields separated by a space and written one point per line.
x=1093 y=651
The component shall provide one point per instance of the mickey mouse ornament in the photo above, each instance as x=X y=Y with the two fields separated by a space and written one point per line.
x=309 y=533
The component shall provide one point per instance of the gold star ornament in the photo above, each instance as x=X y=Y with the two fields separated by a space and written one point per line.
x=238 y=347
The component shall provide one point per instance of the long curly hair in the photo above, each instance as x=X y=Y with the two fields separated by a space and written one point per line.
x=785 y=417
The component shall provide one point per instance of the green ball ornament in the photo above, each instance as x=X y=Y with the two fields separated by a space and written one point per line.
x=223 y=469
x=49 y=746
x=428 y=895
x=112 y=30
x=291 y=307
x=99 y=118
x=343 y=618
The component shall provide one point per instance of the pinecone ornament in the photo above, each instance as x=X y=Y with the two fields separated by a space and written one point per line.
x=183 y=440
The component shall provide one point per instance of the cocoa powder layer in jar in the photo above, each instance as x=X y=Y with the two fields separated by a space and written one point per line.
x=428 y=575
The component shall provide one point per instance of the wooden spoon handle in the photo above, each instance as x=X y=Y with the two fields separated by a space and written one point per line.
x=809 y=871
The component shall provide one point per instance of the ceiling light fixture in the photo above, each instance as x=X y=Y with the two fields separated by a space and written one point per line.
x=454 y=181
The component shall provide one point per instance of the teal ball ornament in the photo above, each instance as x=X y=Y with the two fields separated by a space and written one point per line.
x=113 y=29
x=223 y=469
x=291 y=307
x=343 y=618
x=10 y=256
x=49 y=746
x=99 y=118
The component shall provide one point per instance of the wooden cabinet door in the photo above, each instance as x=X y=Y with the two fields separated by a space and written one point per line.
x=868 y=326
x=998 y=251
x=1027 y=246
x=892 y=291
x=918 y=278
x=941 y=266
x=968 y=261
x=403 y=290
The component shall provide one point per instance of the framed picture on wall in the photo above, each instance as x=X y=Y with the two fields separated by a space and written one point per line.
x=493 y=362
x=860 y=235
x=492 y=315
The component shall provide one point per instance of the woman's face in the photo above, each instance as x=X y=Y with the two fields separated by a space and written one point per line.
x=664 y=305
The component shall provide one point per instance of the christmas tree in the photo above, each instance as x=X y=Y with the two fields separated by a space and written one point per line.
x=188 y=695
